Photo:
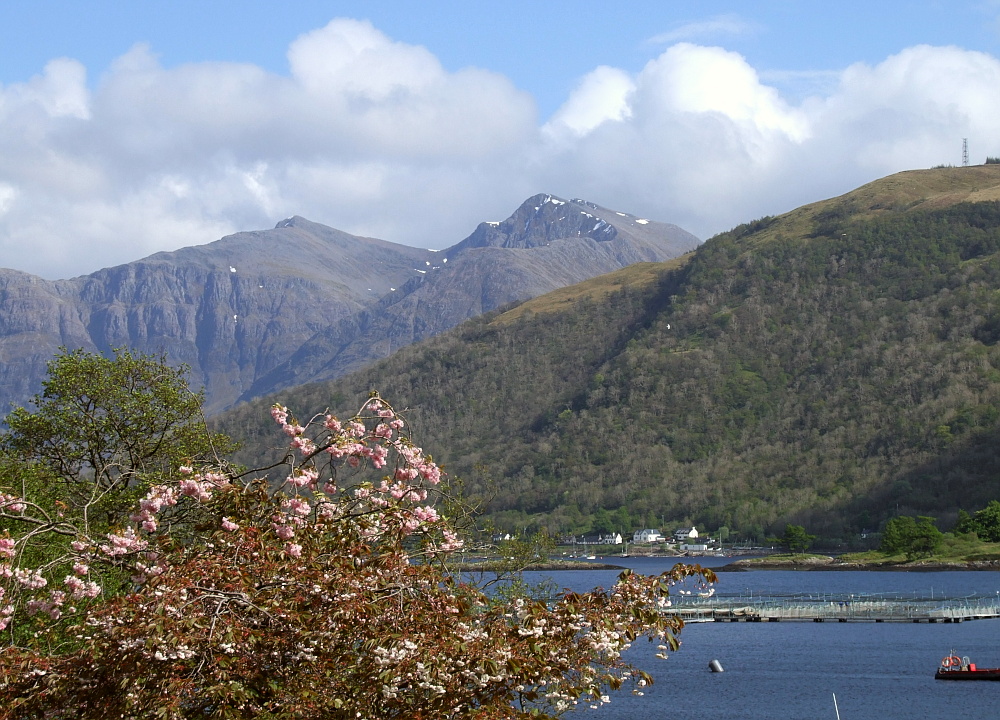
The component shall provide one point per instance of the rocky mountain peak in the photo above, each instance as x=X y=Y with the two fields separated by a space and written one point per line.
x=540 y=220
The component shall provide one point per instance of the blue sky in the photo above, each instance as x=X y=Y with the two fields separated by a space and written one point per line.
x=544 y=47
x=127 y=128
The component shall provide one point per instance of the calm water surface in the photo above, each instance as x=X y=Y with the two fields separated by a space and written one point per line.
x=791 y=670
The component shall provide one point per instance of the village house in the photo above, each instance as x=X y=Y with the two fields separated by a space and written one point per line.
x=683 y=535
x=647 y=536
x=602 y=539
x=694 y=547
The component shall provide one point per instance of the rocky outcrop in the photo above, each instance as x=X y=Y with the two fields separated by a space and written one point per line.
x=258 y=311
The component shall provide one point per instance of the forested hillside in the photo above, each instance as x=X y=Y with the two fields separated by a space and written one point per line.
x=831 y=367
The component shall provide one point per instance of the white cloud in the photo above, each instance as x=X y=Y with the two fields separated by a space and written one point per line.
x=600 y=96
x=353 y=60
x=700 y=136
x=728 y=25
x=910 y=111
x=396 y=100
x=60 y=91
x=706 y=144
x=800 y=84
x=376 y=137
x=692 y=80
x=7 y=195
x=157 y=159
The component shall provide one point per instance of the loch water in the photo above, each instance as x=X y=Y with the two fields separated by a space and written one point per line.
x=792 y=670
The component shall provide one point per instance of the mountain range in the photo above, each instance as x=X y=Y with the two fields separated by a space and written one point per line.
x=258 y=311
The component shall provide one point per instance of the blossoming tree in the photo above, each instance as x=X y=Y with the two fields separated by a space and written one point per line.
x=325 y=595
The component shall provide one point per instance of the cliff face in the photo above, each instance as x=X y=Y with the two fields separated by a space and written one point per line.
x=258 y=311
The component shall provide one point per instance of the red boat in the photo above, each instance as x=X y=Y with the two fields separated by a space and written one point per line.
x=954 y=667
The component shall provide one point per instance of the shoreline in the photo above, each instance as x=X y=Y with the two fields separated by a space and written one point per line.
x=549 y=565
x=810 y=563
x=573 y=565
x=831 y=563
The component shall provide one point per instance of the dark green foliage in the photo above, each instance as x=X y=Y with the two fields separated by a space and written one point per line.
x=796 y=539
x=985 y=523
x=103 y=429
x=896 y=535
x=915 y=537
x=823 y=381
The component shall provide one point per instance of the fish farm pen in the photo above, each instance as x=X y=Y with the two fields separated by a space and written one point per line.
x=833 y=608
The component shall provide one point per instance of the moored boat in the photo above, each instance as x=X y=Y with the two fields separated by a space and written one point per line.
x=954 y=667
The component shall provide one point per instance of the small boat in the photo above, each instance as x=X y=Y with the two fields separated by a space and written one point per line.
x=954 y=667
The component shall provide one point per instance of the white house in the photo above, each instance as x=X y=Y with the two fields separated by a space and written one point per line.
x=685 y=534
x=647 y=536
x=694 y=547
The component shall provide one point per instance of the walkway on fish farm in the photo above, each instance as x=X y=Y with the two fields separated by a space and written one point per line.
x=851 y=608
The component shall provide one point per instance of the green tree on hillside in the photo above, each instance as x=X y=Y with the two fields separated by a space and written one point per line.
x=985 y=523
x=102 y=430
x=603 y=522
x=915 y=537
x=897 y=534
x=796 y=539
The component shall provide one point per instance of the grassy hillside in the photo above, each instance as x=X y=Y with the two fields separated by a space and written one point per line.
x=830 y=367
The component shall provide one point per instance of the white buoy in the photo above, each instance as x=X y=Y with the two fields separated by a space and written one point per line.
x=715 y=666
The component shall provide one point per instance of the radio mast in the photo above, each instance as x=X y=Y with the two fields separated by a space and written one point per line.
x=965 y=152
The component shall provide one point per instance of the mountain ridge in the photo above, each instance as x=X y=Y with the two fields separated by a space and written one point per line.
x=236 y=310
x=483 y=272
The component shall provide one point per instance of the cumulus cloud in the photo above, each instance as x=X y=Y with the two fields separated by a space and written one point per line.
x=156 y=158
x=375 y=137
x=915 y=107
x=700 y=134
x=600 y=96
x=705 y=143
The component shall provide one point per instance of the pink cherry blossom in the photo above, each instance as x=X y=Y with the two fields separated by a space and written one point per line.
x=124 y=543
x=303 y=477
x=11 y=503
x=279 y=413
x=297 y=505
x=194 y=488
x=31 y=579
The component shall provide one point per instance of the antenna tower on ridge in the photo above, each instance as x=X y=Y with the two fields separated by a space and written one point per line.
x=965 y=152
